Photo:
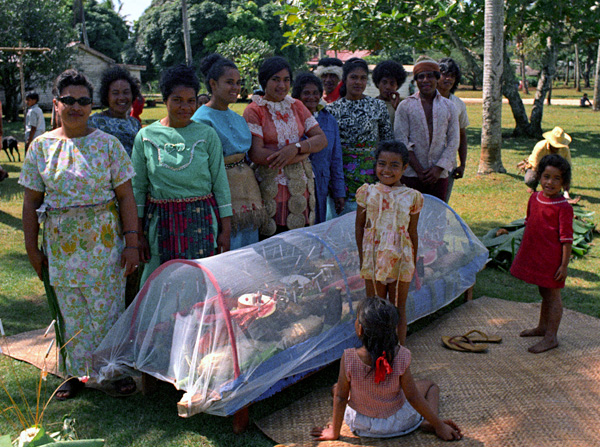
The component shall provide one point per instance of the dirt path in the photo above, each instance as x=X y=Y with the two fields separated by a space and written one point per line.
x=556 y=102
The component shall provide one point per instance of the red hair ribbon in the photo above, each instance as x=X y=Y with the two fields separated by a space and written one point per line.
x=382 y=368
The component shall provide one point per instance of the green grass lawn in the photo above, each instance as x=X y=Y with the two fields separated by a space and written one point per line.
x=483 y=202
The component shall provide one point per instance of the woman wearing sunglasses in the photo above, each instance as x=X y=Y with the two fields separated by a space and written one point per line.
x=74 y=178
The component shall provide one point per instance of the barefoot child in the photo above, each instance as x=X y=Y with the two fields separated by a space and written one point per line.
x=386 y=230
x=375 y=393
x=546 y=247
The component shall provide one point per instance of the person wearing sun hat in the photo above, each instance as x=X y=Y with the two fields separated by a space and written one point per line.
x=555 y=141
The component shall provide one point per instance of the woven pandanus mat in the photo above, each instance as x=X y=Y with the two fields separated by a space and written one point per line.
x=502 y=398
x=32 y=347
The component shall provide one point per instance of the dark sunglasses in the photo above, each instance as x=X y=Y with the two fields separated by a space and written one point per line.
x=69 y=100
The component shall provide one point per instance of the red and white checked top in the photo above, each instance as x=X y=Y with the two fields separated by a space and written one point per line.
x=377 y=400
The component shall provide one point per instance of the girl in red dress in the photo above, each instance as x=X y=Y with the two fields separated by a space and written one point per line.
x=544 y=253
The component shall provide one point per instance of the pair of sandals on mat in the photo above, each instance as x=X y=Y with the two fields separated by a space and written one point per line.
x=71 y=387
x=472 y=341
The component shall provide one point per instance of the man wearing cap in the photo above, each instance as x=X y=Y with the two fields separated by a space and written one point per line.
x=427 y=123
x=329 y=70
x=555 y=142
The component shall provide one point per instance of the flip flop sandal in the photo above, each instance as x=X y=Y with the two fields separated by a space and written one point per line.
x=477 y=336
x=69 y=389
x=463 y=344
x=125 y=386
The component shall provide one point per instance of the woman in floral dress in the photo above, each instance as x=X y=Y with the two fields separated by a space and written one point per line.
x=74 y=177
x=278 y=124
x=363 y=122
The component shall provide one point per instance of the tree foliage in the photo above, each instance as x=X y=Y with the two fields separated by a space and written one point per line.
x=248 y=54
x=36 y=24
x=159 y=40
x=363 y=24
x=106 y=29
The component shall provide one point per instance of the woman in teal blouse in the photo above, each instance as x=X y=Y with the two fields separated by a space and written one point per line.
x=223 y=82
x=180 y=187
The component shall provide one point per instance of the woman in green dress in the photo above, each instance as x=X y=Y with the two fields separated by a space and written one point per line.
x=180 y=187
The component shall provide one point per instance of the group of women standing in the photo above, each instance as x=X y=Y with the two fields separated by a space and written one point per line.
x=111 y=196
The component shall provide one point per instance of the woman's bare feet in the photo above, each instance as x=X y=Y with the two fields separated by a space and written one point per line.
x=535 y=332
x=545 y=345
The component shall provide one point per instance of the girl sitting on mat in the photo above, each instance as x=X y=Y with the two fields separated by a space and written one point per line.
x=386 y=229
x=544 y=253
x=376 y=394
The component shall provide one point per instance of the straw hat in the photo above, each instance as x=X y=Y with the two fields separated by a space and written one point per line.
x=557 y=137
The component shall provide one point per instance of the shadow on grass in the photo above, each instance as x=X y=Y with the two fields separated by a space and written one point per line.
x=584 y=275
x=10 y=188
x=10 y=220
x=24 y=314
x=585 y=197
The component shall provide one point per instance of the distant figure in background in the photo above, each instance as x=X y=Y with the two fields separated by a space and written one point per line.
x=427 y=124
x=117 y=91
x=137 y=106
x=203 y=98
x=35 y=124
x=584 y=101
x=447 y=85
x=555 y=142
x=330 y=71
x=388 y=77
x=3 y=174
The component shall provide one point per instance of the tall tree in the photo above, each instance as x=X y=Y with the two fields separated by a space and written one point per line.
x=107 y=31
x=160 y=43
x=186 y=33
x=32 y=23
x=597 y=83
x=491 y=128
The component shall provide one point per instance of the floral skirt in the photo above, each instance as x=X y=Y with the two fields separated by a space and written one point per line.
x=359 y=167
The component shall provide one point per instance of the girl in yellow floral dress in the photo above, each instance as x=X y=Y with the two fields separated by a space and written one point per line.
x=386 y=230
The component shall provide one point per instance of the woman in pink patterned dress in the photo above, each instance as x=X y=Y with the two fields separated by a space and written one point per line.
x=386 y=230
x=77 y=183
x=284 y=134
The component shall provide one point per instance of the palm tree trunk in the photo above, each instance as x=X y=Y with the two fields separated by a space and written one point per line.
x=491 y=132
x=597 y=82
x=544 y=86
x=577 y=70
x=186 y=33
x=511 y=92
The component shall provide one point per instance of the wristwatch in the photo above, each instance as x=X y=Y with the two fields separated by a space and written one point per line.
x=299 y=148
